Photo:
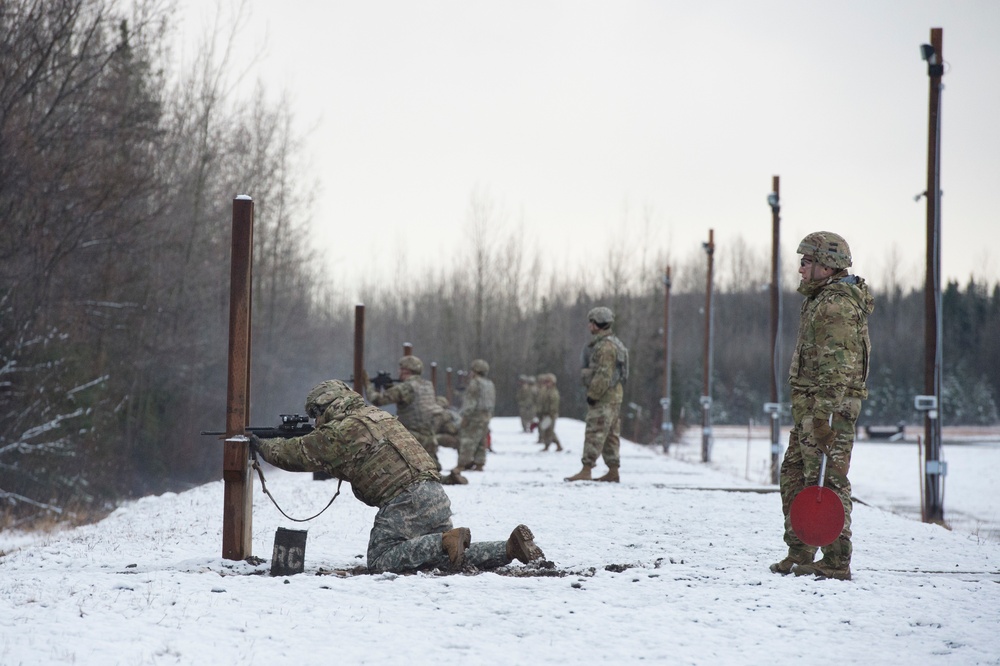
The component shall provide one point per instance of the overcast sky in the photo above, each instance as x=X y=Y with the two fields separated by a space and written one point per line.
x=582 y=120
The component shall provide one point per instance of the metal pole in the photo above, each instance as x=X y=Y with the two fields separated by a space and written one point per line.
x=237 y=510
x=775 y=203
x=359 y=348
x=706 y=396
x=666 y=422
x=934 y=470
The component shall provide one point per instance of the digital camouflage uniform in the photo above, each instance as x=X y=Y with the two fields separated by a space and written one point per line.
x=827 y=377
x=386 y=467
x=477 y=409
x=416 y=408
x=527 y=392
x=605 y=369
x=548 y=411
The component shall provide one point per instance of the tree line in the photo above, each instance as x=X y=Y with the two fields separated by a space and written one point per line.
x=117 y=174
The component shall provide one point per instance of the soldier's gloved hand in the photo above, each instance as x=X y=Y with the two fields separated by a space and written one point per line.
x=591 y=401
x=254 y=444
x=822 y=434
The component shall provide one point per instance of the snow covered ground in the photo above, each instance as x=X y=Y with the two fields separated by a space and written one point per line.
x=670 y=566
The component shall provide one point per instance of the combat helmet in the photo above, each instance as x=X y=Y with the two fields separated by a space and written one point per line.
x=827 y=248
x=324 y=394
x=480 y=367
x=601 y=316
x=411 y=363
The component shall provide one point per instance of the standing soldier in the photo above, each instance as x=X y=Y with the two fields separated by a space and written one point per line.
x=548 y=410
x=828 y=374
x=477 y=410
x=605 y=370
x=416 y=404
x=526 y=396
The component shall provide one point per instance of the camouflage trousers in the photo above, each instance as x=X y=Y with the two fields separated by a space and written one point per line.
x=602 y=437
x=407 y=532
x=801 y=466
x=472 y=440
x=547 y=432
x=527 y=414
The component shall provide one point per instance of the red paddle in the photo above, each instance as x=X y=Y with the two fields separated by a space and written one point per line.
x=817 y=513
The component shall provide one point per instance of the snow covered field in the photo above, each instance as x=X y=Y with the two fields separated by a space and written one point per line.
x=670 y=566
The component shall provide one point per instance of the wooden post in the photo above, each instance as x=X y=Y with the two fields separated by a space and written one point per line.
x=434 y=376
x=359 y=348
x=706 y=396
x=448 y=391
x=775 y=202
x=933 y=510
x=407 y=349
x=237 y=511
x=666 y=423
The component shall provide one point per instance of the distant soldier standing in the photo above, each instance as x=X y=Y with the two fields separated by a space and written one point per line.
x=478 y=403
x=548 y=411
x=828 y=374
x=527 y=392
x=416 y=403
x=604 y=372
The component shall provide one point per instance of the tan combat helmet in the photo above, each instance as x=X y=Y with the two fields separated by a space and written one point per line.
x=826 y=248
x=324 y=394
x=601 y=316
x=411 y=363
x=480 y=367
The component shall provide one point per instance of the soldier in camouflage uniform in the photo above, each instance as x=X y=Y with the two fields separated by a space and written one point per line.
x=548 y=411
x=477 y=410
x=527 y=393
x=446 y=424
x=604 y=372
x=416 y=403
x=387 y=468
x=828 y=374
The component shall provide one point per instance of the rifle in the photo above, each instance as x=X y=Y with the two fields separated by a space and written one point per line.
x=384 y=380
x=292 y=425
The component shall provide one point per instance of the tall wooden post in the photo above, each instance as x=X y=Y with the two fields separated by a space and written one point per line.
x=706 y=396
x=359 y=349
x=407 y=349
x=237 y=511
x=774 y=408
x=933 y=510
x=448 y=390
x=434 y=376
x=666 y=423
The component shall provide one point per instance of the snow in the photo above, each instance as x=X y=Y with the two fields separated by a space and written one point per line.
x=669 y=566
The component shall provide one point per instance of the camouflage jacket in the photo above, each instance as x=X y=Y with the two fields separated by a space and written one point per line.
x=833 y=351
x=416 y=404
x=526 y=395
x=360 y=444
x=605 y=367
x=479 y=398
x=548 y=402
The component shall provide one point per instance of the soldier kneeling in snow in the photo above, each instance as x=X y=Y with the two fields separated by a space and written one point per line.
x=387 y=468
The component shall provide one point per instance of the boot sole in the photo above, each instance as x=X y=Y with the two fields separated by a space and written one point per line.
x=525 y=549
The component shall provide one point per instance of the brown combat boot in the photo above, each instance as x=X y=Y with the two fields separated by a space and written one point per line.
x=610 y=477
x=454 y=478
x=582 y=475
x=521 y=545
x=824 y=569
x=454 y=543
x=794 y=557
